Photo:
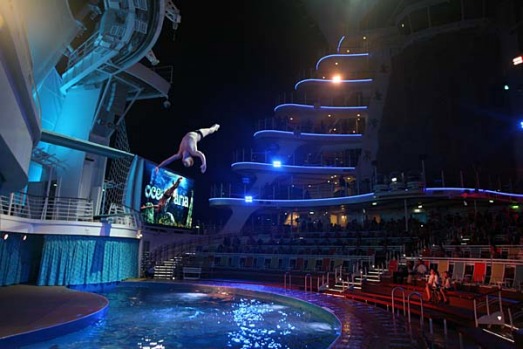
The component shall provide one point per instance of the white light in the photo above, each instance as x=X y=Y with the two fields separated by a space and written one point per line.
x=336 y=78
x=276 y=163
x=394 y=180
x=248 y=198
x=517 y=60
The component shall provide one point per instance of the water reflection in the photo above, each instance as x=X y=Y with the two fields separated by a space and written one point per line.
x=161 y=316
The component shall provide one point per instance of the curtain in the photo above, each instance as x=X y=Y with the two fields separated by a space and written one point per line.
x=19 y=258
x=10 y=261
x=82 y=260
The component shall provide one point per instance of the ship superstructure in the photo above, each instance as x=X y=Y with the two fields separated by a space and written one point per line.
x=350 y=135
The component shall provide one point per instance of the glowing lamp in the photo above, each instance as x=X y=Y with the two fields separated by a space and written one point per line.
x=336 y=79
x=276 y=163
x=248 y=198
x=517 y=60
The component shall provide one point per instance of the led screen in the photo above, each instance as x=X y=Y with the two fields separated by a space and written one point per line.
x=167 y=197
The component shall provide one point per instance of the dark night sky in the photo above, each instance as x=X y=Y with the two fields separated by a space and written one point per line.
x=231 y=60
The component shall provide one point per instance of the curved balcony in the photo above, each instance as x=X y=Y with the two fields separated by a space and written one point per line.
x=333 y=83
x=333 y=186
x=279 y=191
x=341 y=58
x=325 y=160
x=332 y=123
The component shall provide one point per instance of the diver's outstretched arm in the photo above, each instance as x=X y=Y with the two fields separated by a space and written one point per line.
x=201 y=155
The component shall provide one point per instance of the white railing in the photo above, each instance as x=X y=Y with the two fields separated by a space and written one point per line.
x=47 y=208
x=63 y=209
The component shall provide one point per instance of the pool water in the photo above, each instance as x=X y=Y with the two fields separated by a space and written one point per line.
x=167 y=316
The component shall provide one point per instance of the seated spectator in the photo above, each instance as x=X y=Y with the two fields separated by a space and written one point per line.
x=446 y=285
x=432 y=283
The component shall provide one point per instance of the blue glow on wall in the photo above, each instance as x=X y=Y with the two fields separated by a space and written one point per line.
x=35 y=172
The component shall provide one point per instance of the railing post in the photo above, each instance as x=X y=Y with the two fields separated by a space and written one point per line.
x=285 y=276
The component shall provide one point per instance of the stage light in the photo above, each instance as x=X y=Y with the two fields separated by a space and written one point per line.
x=248 y=198
x=336 y=79
x=276 y=163
x=517 y=60
x=6 y=236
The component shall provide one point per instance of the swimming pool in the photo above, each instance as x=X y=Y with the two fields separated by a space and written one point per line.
x=148 y=315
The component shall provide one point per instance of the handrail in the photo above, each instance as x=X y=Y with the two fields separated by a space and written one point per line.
x=285 y=276
x=308 y=277
x=421 y=305
x=45 y=208
x=393 y=301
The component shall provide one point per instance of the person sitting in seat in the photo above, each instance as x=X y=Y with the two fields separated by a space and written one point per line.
x=446 y=285
x=433 y=282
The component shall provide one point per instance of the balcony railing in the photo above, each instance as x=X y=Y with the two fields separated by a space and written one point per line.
x=347 y=158
x=63 y=209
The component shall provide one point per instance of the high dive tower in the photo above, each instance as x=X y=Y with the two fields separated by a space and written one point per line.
x=70 y=70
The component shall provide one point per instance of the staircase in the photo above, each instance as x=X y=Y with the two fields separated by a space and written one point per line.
x=355 y=280
x=166 y=270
